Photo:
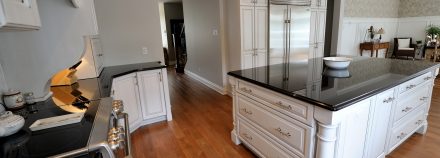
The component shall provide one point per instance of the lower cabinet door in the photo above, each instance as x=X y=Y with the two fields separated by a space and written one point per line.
x=124 y=88
x=151 y=93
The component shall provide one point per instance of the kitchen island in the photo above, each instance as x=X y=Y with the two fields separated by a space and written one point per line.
x=304 y=109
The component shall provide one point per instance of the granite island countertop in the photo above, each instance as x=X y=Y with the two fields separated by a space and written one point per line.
x=314 y=83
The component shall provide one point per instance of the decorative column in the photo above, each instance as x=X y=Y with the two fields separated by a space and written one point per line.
x=234 y=134
x=326 y=141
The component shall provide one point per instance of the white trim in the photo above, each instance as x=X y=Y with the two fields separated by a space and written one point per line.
x=206 y=82
x=349 y=20
x=44 y=98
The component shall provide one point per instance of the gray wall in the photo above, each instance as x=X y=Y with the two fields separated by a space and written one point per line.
x=172 y=11
x=372 y=8
x=204 y=55
x=126 y=27
x=30 y=58
x=419 y=8
x=3 y=86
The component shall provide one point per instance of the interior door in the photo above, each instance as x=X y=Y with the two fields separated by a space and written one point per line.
x=151 y=93
x=299 y=33
x=277 y=39
x=124 y=88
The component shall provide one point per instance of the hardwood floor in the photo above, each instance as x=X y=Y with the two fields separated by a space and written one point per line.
x=201 y=126
x=202 y=123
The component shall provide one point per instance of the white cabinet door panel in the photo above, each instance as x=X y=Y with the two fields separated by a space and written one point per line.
x=261 y=3
x=260 y=59
x=151 y=93
x=97 y=54
x=247 y=2
x=124 y=88
x=247 y=61
x=247 y=28
x=261 y=28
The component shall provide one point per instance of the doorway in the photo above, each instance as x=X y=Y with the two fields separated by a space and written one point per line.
x=173 y=34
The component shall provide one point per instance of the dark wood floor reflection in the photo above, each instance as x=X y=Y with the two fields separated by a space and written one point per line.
x=202 y=123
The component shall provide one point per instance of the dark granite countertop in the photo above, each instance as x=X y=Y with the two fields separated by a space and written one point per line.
x=313 y=83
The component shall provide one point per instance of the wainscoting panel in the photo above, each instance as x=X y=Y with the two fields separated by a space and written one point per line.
x=355 y=32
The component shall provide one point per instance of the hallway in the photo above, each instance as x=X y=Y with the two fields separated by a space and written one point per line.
x=202 y=123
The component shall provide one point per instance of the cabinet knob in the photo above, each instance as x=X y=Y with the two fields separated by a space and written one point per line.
x=246 y=90
x=280 y=104
x=100 y=55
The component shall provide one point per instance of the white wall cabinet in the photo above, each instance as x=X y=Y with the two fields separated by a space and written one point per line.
x=317 y=28
x=254 y=33
x=145 y=96
x=19 y=15
x=92 y=60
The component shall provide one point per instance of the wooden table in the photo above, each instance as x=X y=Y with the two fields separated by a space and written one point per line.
x=375 y=47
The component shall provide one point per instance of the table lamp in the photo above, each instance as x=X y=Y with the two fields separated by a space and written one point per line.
x=381 y=32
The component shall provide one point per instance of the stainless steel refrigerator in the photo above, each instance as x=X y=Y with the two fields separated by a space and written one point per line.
x=289 y=33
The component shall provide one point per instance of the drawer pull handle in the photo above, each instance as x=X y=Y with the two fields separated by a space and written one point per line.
x=419 y=122
x=245 y=135
x=427 y=78
x=283 y=133
x=407 y=109
x=402 y=135
x=390 y=99
x=423 y=98
x=410 y=87
x=246 y=90
x=280 y=104
x=247 y=111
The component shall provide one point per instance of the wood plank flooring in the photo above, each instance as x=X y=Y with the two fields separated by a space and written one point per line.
x=202 y=123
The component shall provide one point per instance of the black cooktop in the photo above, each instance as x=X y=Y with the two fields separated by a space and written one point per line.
x=312 y=82
x=48 y=142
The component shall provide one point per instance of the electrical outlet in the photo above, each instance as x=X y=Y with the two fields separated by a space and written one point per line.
x=144 y=50
x=215 y=32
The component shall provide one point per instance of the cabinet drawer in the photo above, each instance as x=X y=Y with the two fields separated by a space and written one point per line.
x=293 y=134
x=412 y=84
x=295 y=109
x=257 y=141
x=410 y=101
x=407 y=128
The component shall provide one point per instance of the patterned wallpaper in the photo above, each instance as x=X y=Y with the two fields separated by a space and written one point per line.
x=372 y=8
x=417 y=8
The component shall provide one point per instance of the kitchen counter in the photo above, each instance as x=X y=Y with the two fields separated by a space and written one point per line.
x=306 y=110
x=308 y=81
x=58 y=140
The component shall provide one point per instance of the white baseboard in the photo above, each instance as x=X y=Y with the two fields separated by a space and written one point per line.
x=206 y=82
x=44 y=98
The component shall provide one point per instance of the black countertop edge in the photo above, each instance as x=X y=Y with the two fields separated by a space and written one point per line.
x=342 y=105
x=133 y=68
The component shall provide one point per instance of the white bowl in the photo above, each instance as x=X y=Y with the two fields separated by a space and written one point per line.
x=337 y=62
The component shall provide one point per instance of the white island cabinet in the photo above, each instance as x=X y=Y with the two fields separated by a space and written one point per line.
x=145 y=96
x=273 y=124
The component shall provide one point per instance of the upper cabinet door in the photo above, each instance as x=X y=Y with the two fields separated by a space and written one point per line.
x=247 y=29
x=151 y=93
x=261 y=28
x=124 y=88
x=261 y=3
x=247 y=2
x=19 y=15
x=321 y=4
